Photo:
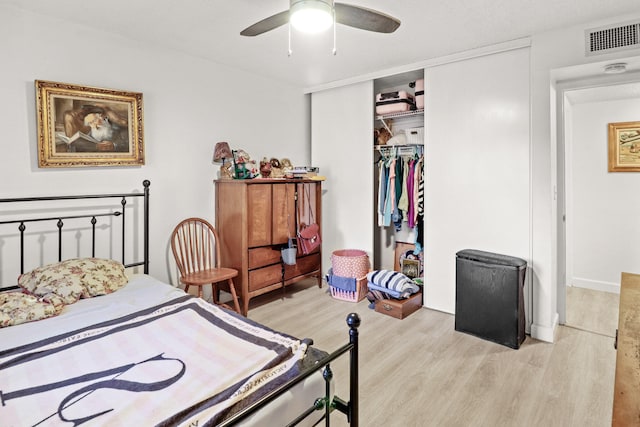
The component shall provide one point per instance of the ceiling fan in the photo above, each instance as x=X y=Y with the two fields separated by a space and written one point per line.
x=318 y=15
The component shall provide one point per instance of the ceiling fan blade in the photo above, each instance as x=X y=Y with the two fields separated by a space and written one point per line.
x=365 y=19
x=266 y=24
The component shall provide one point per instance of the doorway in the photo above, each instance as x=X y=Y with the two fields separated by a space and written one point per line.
x=588 y=241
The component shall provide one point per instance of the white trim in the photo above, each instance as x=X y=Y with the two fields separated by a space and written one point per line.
x=613 y=288
x=545 y=333
x=565 y=80
x=460 y=56
x=529 y=283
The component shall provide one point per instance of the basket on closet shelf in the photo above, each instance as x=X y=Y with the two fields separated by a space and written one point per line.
x=347 y=288
x=415 y=136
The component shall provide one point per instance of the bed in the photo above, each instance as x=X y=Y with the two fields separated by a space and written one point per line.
x=131 y=350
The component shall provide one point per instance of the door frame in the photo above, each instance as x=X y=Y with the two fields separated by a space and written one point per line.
x=563 y=216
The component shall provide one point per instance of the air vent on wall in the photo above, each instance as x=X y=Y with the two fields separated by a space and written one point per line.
x=612 y=38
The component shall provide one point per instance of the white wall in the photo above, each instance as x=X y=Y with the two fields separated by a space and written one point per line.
x=189 y=105
x=604 y=208
x=549 y=51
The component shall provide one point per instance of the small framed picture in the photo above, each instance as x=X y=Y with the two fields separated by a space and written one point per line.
x=406 y=252
x=411 y=268
x=82 y=126
x=624 y=147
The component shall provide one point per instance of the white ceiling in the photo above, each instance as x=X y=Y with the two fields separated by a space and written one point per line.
x=613 y=92
x=429 y=29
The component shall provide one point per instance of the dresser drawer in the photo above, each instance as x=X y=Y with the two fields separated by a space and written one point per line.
x=304 y=265
x=261 y=277
x=260 y=257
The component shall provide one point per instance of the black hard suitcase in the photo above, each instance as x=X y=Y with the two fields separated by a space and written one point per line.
x=490 y=296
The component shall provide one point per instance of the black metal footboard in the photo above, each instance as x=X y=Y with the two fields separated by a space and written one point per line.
x=111 y=211
x=328 y=403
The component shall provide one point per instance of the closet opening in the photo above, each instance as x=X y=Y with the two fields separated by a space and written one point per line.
x=398 y=226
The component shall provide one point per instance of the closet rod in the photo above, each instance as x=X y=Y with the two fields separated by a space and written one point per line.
x=400 y=149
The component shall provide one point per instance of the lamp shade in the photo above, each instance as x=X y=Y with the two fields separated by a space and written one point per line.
x=221 y=152
x=311 y=16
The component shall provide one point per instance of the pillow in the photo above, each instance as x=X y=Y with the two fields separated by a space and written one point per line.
x=99 y=276
x=17 y=308
x=75 y=278
x=52 y=279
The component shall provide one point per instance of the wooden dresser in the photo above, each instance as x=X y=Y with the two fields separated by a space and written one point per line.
x=626 y=395
x=255 y=219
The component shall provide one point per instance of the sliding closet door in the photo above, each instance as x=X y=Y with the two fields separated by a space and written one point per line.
x=477 y=158
x=342 y=147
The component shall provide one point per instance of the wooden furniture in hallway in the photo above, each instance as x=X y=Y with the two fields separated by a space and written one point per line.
x=626 y=396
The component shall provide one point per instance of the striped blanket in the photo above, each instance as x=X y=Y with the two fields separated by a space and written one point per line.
x=392 y=282
x=184 y=362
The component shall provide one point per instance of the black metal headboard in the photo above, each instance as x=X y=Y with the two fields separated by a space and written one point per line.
x=60 y=222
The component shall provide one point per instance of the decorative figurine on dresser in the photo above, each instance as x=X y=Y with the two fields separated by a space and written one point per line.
x=255 y=219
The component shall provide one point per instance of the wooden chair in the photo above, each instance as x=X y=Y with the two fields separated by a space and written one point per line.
x=196 y=249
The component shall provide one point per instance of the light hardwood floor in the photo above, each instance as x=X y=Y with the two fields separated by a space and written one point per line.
x=421 y=372
x=593 y=311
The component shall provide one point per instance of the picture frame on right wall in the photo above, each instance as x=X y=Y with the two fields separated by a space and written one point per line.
x=624 y=147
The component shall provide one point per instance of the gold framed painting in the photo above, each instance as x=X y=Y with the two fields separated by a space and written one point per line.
x=84 y=126
x=624 y=147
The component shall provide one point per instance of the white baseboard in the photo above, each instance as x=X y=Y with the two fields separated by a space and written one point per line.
x=545 y=333
x=594 y=285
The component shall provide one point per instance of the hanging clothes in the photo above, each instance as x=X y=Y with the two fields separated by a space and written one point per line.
x=400 y=190
x=382 y=190
x=396 y=216
x=420 y=214
x=420 y=202
x=388 y=198
x=410 y=184
x=391 y=189
x=403 y=203
x=416 y=187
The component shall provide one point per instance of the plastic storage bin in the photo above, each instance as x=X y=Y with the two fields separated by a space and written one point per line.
x=490 y=296
x=347 y=288
x=415 y=135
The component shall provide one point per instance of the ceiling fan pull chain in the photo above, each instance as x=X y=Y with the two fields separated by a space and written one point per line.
x=289 y=53
x=334 y=32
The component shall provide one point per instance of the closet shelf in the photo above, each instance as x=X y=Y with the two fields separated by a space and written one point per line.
x=400 y=150
x=402 y=114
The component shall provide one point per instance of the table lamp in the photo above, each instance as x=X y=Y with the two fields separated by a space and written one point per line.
x=221 y=152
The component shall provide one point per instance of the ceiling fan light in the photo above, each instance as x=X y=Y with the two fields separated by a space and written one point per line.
x=311 y=16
